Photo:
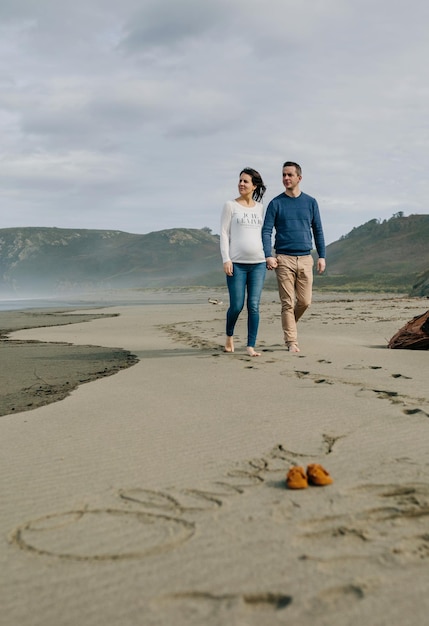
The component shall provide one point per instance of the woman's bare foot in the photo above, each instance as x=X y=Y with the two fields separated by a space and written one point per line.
x=293 y=347
x=229 y=344
x=252 y=352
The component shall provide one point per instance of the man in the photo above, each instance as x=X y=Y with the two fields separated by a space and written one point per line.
x=296 y=219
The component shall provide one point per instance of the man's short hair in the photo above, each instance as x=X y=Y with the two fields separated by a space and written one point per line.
x=295 y=165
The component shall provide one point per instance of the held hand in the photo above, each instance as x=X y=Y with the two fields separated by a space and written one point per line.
x=271 y=263
x=227 y=268
x=321 y=266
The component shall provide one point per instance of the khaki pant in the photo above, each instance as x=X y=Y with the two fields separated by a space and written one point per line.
x=295 y=283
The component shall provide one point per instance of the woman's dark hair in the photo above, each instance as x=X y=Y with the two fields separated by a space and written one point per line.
x=256 y=180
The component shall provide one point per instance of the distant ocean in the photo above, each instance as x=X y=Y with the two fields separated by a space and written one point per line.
x=38 y=303
x=124 y=298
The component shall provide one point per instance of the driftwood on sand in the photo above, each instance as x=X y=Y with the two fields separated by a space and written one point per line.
x=414 y=335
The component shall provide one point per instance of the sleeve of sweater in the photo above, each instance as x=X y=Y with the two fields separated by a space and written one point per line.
x=317 y=228
x=267 y=230
x=225 y=230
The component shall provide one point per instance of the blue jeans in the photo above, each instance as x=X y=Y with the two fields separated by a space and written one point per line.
x=250 y=276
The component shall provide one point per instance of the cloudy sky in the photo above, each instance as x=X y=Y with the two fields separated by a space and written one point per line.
x=138 y=115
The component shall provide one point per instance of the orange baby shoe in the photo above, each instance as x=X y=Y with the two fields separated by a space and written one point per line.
x=317 y=475
x=296 y=478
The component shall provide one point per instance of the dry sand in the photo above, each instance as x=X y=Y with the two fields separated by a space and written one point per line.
x=157 y=496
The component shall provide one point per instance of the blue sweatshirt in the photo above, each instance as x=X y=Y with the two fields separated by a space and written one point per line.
x=296 y=221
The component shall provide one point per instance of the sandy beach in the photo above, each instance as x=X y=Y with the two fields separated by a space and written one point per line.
x=156 y=496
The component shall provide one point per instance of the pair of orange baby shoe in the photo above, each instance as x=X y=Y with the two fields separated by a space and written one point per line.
x=316 y=475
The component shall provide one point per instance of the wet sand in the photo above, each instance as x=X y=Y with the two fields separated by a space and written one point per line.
x=157 y=496
x=34 y=373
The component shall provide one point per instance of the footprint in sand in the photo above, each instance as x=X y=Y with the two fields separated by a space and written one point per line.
x=415 y=411
x=196 y=607
x=339 y=597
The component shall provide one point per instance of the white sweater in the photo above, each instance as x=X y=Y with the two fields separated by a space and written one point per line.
x=240 y=233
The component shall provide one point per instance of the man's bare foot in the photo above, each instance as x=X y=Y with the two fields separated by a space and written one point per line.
x=252 y=352
x=293 y=347
x=229 y=344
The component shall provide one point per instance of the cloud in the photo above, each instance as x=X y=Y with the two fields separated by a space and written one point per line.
x=139 y=115
x=166 y=26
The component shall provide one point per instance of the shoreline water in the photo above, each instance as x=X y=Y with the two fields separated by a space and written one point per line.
x=124 y=298
x=170 y=295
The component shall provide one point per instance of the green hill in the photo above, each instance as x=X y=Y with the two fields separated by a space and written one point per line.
x=47 y=260
x=387 y=256
x=421 y=286
x=392 y=255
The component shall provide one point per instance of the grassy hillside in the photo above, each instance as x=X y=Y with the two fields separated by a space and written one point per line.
x=392 y=255
x=43 y=260
x=386 y=256
x=421 y=286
